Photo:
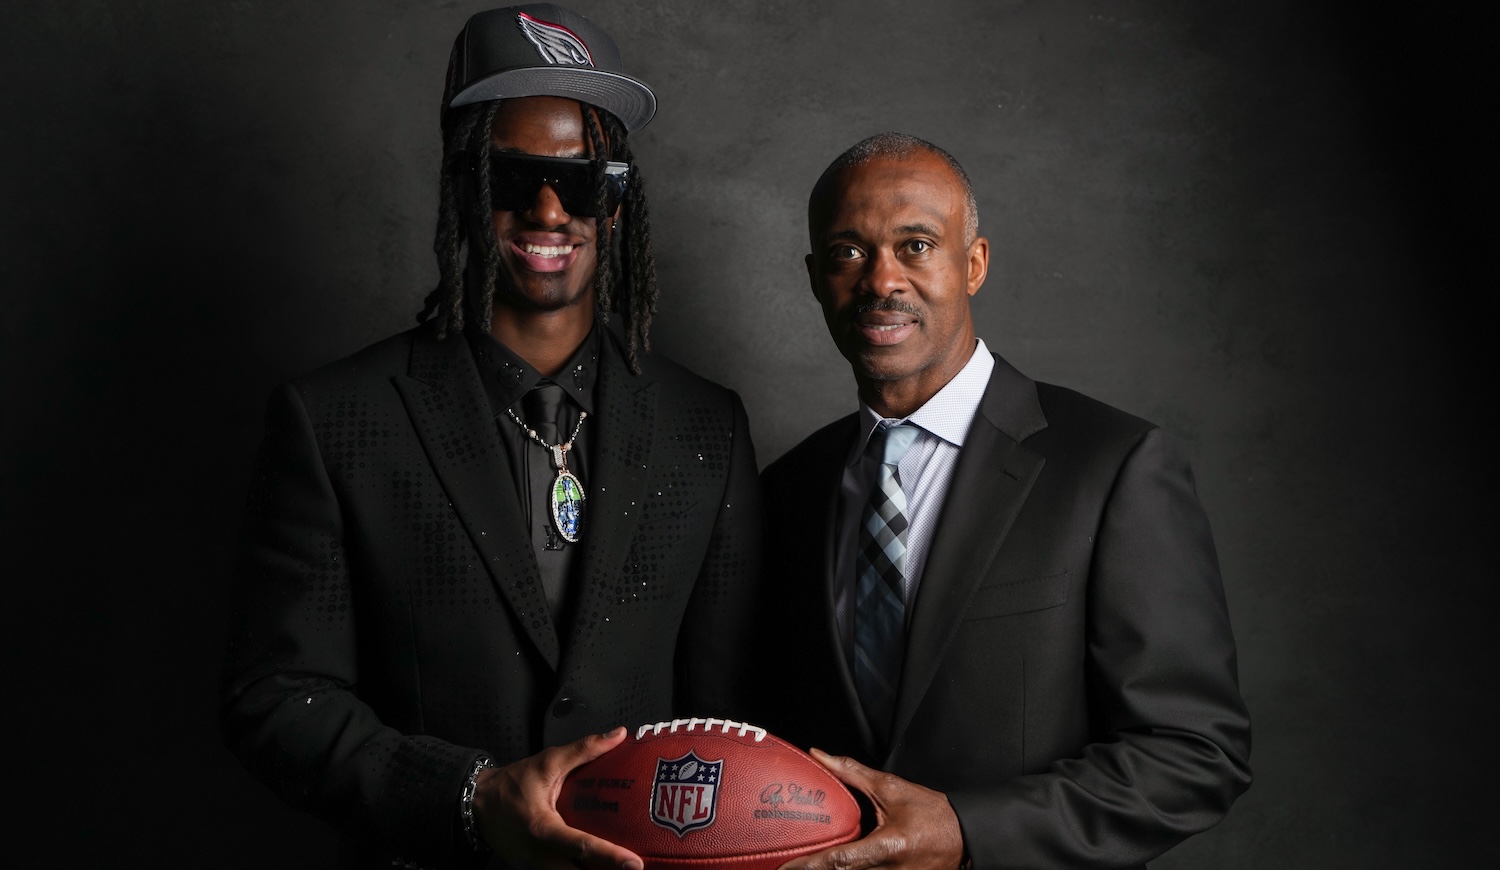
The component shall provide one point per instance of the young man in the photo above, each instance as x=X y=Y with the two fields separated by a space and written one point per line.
x=1006 y=593
x=474 y=549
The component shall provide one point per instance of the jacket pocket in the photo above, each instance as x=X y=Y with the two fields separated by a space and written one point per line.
x=1019 y=596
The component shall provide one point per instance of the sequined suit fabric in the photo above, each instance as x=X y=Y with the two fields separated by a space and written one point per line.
x=1069 y=681
x=388 y=624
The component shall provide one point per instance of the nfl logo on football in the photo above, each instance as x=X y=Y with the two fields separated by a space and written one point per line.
x=686 y=793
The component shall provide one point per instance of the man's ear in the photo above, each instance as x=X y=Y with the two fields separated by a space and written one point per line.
x=979 y=263
x=812 y=272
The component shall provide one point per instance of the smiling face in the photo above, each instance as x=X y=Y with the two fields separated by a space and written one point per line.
x=547 y=255
x=893 y=272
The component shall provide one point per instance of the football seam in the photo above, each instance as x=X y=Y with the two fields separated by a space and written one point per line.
x=708 y=724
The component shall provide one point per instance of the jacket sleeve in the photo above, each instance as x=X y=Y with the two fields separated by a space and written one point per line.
x=1173 y=735
x=289 y=707
x=714 y=643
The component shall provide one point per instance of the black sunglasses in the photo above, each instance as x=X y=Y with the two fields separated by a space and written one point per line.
x=516 y=179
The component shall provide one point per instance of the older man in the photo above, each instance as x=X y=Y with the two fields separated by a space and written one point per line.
x=475 y=548
x=1004 y=597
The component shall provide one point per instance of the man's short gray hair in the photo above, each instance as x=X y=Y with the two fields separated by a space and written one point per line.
x=900 y=146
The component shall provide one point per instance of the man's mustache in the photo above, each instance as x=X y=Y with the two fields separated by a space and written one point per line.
x=887 y=304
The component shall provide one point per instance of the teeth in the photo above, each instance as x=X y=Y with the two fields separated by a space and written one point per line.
x=547 y=250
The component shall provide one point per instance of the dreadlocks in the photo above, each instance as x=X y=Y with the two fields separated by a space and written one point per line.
x=468 y=134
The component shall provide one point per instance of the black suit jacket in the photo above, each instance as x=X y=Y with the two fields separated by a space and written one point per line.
x=389 y=624
x=1070 y=677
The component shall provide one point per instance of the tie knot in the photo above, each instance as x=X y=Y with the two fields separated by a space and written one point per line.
x=892 y=441
x=542 y=404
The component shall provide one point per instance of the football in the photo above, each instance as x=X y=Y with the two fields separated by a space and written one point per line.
x=710 y=792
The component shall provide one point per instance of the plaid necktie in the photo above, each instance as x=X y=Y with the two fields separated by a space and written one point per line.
x=880 y=566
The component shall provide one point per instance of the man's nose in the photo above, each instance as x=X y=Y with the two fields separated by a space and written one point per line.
x=547 y=209
x=883 y=275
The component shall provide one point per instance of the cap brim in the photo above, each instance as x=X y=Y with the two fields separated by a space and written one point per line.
x=622 y=96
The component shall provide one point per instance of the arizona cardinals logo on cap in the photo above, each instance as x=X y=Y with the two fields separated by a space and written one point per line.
x=555 y=43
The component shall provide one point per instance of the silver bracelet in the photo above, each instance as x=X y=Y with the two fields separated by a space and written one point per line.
x=466 y=805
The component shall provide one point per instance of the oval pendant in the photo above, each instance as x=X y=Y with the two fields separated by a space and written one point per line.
x=567 y=506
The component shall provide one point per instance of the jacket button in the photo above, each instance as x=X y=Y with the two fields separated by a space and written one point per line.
x=563 y=707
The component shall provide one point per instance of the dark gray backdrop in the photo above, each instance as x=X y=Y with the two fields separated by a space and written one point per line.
x=1266 y=226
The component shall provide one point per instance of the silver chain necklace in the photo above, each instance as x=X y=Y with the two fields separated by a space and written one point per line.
x=566 y=498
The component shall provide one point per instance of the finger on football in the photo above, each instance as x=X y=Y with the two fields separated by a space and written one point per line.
x=849 y=771
x=594 y=853
x=586 y=749
x=581 y=848
x=872 y=851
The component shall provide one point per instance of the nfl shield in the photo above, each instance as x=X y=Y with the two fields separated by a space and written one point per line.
x=686 y=794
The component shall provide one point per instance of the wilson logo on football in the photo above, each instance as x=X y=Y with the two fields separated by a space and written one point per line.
x=686 y=796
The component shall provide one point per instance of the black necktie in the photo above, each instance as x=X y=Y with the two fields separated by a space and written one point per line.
x=541 y=404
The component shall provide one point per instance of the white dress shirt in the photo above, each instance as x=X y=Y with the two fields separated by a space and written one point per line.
x=925 y=472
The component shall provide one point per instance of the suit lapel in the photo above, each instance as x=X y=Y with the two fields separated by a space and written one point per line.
x=450 y=413
x=990 y=482
x=620 y=471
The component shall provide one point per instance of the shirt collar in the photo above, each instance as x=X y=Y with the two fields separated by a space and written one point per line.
x=947 y=414
x=507 y=377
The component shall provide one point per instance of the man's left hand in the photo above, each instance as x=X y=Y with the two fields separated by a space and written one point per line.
x=915 y=827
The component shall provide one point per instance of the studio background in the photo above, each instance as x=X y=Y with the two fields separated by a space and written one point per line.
x=1265 y=226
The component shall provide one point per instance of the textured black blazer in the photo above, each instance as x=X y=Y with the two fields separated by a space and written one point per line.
x=1070 y=678
x=388 y=623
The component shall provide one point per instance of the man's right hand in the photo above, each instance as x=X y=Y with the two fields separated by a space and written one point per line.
x=915 y=827
x=515 y=810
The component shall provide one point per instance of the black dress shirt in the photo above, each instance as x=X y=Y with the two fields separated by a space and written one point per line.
x=507 y=378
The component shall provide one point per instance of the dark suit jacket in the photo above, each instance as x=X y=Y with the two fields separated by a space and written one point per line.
x=389 y=624
x=1070 y=677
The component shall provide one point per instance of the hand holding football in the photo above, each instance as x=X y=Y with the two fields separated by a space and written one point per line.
x=709 y=792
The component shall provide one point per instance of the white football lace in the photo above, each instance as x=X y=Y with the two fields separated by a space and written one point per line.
x=724 y=725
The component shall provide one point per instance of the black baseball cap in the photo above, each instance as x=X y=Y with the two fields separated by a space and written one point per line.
x=541 y=49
